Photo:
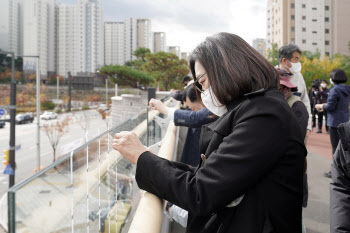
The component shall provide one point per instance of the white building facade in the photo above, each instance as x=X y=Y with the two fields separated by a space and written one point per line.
x=114 y=43
x=39 y=35
x=313 y=28
x=159 y=41
x=130 y=38
x=260 y=45
x=144 y=34
x=175 y=50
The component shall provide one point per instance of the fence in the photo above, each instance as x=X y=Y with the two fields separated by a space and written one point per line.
x=91 y=189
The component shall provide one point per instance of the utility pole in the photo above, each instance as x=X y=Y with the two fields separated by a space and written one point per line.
x=13 y=123
x=58 y=87
x=69 y=91
x=37 y=115
x=107 y=91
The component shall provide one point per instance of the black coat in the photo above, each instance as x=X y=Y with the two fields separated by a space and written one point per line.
x=256 y=150
x=340 y=186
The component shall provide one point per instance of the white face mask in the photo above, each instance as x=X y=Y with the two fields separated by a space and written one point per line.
x=212 y=104
x=323 y=85
x=331 y=81
x=296 y=68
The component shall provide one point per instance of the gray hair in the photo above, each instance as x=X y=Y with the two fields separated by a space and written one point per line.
x=287 y=51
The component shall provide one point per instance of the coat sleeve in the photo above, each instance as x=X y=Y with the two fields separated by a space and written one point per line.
x=302 y=116
x=332 y=100
x=340 y=192
x=230 y=171
x=193 y=119
x=305 y=99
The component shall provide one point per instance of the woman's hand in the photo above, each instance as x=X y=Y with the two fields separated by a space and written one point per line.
x=128 y=145
x=159 y=105
x=319 y=106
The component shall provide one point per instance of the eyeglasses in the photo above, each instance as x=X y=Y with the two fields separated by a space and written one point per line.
x=197 y=85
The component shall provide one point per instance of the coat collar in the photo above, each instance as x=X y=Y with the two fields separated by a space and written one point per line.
x=222 y=128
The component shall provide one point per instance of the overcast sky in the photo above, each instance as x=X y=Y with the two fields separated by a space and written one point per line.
x=188 y=22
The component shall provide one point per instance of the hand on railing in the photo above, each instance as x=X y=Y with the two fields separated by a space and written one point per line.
x=128 y=145
x=158 y=105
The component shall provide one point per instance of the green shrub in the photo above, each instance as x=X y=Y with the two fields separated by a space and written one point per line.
x=85 y=107
x=75 y=109
x=47 y=105
x=59 y=110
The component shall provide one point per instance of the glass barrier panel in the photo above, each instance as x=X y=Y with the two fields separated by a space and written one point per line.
x=42 y=204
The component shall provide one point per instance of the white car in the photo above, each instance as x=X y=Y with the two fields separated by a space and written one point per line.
x=48 y=116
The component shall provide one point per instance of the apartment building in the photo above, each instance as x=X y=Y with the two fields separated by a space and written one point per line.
x=130 y=38
x=39 y=35
x=159 y=41
x=175 y=50
x=314 y=25
x=114 y=43
x=144 y=34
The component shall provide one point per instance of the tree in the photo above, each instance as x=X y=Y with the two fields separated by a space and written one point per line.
x=167 y=68
x=124 y=75
x=105 y=116
x=272 y=54
x=55 y=132
x=141 y=53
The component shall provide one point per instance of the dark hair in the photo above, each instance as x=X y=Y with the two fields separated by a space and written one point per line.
x=186 y=78
x=190 y=92
x=338 y=76
x=287 y=51
x=324 y=80
x=233 y=67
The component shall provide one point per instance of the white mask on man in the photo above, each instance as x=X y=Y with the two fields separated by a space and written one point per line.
x=323 y=85
x=331 y=81
x=212 y=104
x=296 y=67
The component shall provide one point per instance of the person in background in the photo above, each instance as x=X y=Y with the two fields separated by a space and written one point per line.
x=312 y=98
x=176 y=94
x=337 y=106
x=300 y=112
x=340 y=186
x=321 y=98
x=289 y=59
x=255 y=148
x=193 y=119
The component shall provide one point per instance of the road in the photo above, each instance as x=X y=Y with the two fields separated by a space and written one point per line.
x=26 y=137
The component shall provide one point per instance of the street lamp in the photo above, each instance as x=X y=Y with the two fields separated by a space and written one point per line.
x=37 y=109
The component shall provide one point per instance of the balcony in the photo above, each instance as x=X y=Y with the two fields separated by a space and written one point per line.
x=92 y=188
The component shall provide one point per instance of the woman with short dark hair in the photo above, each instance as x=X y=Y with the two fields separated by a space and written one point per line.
x=250 y=178
x=337 y=105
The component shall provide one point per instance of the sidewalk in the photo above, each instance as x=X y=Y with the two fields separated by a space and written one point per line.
x=316 y=215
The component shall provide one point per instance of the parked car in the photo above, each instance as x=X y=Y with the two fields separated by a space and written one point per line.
x=24 y=118
x=48 y=116
x=2 y=123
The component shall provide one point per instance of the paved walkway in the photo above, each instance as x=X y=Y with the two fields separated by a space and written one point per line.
x=316 y=215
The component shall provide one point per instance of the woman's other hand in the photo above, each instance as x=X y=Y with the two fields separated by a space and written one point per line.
x=128 y=145
x=319 y=106
x=159 y=105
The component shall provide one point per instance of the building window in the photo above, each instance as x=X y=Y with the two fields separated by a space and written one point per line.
x=304 y=41
x=327 y=31
x=303 y=6
x=304 y=17
x=292 y=17
x=326 y=19
x=314 y=43
x=314 y=20
x=327 y=54
x=304 y=29
x=327 y=42
x=292 y=6
x=293 y=40
x=292 y=29
x=314 y=8
x=314 y=32
x=326 y=8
